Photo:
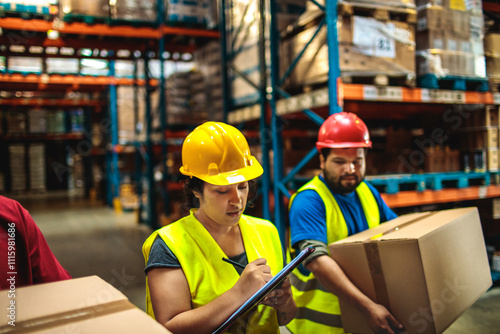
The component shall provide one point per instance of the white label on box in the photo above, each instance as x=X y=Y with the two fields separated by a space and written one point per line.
x=374 y=38
x=480 y=66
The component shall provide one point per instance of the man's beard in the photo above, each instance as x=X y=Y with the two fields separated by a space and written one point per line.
x=337 y=187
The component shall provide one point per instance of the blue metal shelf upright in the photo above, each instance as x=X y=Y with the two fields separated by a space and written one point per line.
x=280 y=180
x=229 y=50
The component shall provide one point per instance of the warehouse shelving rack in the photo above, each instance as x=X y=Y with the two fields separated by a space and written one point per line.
x=317 y=104
x=149 y=41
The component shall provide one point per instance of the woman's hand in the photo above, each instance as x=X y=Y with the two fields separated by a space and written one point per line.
x=281 y=299
x=256 y=274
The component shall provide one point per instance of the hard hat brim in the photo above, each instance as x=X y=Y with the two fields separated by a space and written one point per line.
x=247 y=173
x=320 y=146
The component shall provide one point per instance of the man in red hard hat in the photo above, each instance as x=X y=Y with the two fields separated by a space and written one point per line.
x=332 y=206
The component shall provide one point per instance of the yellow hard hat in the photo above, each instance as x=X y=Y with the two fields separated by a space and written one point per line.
x=218 y=153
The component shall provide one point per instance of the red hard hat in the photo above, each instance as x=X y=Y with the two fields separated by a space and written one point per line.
x=343 y=130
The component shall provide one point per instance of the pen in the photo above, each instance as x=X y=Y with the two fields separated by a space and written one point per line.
x=233 y=262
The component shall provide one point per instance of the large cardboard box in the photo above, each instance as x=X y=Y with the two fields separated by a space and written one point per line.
x=80 y=305
x=367 y=47
x=426 y=268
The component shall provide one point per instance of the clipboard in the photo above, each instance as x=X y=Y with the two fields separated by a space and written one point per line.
x=268 y=287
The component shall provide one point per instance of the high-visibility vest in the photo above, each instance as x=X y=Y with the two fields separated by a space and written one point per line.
x=208 y=276
x=318 y=309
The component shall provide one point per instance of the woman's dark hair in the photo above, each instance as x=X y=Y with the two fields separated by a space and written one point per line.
x=195 y=184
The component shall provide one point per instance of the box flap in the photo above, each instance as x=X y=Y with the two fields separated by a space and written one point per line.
x=383 y=229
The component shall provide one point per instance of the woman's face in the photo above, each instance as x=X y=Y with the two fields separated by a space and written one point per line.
x=223 y=204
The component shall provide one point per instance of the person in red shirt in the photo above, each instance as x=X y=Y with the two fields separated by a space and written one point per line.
x=25 y=256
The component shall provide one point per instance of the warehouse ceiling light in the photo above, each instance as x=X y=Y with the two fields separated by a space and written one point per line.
x=52 y=34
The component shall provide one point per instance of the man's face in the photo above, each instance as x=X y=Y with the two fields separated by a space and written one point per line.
x=344 y=169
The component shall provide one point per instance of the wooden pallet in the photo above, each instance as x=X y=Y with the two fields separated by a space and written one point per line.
x=382 y=79
x=378 y=12
x=432 y=81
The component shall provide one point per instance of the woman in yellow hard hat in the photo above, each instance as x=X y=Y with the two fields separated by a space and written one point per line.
x=190 y=288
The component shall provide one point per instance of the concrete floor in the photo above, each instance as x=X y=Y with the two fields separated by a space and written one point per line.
x=92 y=239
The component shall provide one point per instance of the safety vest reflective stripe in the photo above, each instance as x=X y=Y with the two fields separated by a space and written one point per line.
x=331 y=320
x=310 y=285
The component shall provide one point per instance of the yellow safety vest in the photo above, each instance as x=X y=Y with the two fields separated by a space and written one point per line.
x=318 y=309
x=208 y=276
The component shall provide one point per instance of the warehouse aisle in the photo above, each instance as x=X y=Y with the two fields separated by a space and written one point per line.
x=91 y=239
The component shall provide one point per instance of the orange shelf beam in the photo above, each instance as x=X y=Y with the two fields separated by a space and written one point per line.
x=356 y=92
x=49 y=102
x=78 y=28
x=56 y=79
x=414 y=198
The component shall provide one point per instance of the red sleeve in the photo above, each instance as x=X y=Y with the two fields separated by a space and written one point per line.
x=44 y=265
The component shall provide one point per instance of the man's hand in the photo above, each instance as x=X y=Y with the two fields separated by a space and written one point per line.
x=381 y=321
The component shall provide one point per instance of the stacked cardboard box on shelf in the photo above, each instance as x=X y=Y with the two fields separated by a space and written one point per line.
x=244 y=23
x=208 y=62
x=56 y=121
x=15 y=122
x=492 y=55
x=126 y=120
x=89 y=8
x=481 y=140
x=186 y=98
x=36 y=159
x=450 y=39
x=368 y=45
x=37 y=121
x=134 y=10
x=17 y=159
x=197 y=12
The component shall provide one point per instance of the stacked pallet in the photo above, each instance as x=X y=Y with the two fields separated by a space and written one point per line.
x=450 y=53
x=480 y=143
x=376 y=44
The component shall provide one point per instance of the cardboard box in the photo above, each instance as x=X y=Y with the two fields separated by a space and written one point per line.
x=80 y=305
x=359 y=53
x=427 y=268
